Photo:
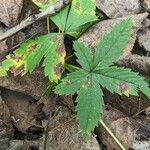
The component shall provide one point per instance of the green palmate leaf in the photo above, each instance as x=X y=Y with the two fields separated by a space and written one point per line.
x=89 y=107
x=72 y=20
x=84 y=56
x=29 y=55
x=96 y=71
x=112 y=44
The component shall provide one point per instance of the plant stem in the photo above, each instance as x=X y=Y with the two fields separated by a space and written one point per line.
x=48 y=25
x=71 y=68
x=112 y=135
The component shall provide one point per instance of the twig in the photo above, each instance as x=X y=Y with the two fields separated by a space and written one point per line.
x=53 y=9
x=112 y=135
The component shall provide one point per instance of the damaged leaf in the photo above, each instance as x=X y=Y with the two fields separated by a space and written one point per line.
x=6 y=65
x=55 y=58
x=29 y=55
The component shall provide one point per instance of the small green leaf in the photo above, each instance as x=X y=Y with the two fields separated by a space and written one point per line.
x=89 y=108
x=60 y=19
x=72 y=20
x=84 y=55
x=111 y=46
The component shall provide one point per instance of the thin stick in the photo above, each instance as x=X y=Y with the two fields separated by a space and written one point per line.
x=112 y=135
x=48 y=25
x=53 y=9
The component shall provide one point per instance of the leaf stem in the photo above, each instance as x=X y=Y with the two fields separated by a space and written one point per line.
x=112 y=135
x=71 y=68
x=48 y=25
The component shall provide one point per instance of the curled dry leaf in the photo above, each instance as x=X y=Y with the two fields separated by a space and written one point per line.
x=10 y=11
x=144 y=40
x=143 y=35
x=119 y=8
x=33 y=85
x=138 y=63
x=91 y=37
x=146 y=4
x=63 y=134
x=23 y=109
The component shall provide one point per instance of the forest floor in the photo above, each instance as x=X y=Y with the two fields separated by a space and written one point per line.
x=31 y=121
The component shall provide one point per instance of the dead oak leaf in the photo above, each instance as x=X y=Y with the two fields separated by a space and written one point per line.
x=10 y=11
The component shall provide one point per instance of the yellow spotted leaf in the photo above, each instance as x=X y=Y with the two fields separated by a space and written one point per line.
x=49 y=48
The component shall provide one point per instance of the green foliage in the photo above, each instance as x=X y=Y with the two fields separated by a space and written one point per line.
x=96 y=72
x=50 y=47
x=110 y=47
x=29 y=55
x=75 y=20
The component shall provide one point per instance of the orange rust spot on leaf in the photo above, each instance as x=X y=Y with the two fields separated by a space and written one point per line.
x=58 y=69
x=32 y=48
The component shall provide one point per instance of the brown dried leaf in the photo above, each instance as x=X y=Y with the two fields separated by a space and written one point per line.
x=146 y=4
x=10 y=11
x=122 y=126
x=128 y=105
x=119 y=8
x=3 y=49
x=138 y=63
x=33 y=85
x=144 y=39
x=23 y=109
x=5 y=117
x=63 y=134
